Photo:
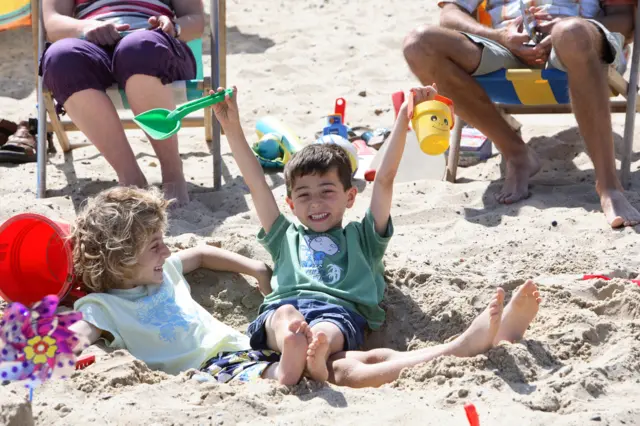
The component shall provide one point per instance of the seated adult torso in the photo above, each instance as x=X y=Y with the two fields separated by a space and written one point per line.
x=502 y=11
x=135 y=13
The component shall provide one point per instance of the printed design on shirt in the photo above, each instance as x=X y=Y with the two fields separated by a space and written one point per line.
x=161 y=311
x=313 y=252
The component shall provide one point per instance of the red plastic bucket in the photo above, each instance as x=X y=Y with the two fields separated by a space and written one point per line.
x=35 y=259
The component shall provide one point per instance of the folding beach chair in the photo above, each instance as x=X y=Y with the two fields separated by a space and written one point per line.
x=14 y=14
x=183 y=91
x=525 y=91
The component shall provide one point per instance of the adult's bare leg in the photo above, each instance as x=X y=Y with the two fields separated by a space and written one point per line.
x=105 y=132
x=448 y=58
x=144 y=93
x=579 y=45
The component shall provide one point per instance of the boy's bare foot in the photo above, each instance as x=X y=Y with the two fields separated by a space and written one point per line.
x=478 y=338
x=317 y=357
x=294 y=354
x=516 y=182
x=519 y=313
x=617 y=209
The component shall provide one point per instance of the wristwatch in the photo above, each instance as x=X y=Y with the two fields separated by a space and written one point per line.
x=177 y=29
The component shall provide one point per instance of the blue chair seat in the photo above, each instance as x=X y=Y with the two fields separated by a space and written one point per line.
x=526 y=86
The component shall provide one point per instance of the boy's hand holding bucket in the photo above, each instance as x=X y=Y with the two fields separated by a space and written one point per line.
x=431 y=117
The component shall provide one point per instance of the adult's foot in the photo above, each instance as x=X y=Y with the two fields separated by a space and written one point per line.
x=617 y=209
x=519 y=313
x=478 y=338
x=176 y=190
x=317 y=357
x=294 y=354
x=520 y=168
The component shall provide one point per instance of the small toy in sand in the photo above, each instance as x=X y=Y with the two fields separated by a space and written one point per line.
x=345 y=144
x=335 y=126
x=272 y=125
x=271 y=151
x=36 y=344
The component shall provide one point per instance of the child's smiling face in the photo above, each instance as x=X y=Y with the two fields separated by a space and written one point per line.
x=320 y=200
x=148 y=270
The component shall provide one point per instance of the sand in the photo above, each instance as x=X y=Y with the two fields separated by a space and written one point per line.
x=453 y=244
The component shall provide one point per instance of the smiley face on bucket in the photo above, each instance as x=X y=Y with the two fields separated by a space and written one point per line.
x=439 y=121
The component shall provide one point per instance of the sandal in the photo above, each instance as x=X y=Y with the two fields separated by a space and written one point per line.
x=20 y=146
x=7 y=128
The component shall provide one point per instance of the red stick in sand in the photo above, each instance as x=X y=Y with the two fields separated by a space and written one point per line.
x=472 y=414
x=595 y=277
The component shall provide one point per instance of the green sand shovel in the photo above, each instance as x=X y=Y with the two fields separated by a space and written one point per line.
x=161 y=123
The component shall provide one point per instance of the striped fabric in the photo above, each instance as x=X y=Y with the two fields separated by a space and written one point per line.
x=14 y=14
x=133 y=12
x=502 y=11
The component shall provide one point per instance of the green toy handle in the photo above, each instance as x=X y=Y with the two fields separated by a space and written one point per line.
x=206 y=101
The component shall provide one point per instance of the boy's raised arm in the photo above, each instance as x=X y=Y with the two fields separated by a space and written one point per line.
x=383 y=184
x=228 y=116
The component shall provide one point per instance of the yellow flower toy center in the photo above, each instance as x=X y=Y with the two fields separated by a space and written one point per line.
x=41 y=348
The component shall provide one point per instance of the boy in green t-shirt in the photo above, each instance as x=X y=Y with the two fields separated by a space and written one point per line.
x=328 y=279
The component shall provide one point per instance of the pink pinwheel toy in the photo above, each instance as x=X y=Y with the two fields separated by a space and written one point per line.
x=36 y=344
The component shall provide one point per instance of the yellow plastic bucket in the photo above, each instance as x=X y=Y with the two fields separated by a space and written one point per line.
x=432 y=121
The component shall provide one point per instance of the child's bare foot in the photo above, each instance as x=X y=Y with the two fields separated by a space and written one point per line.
x=478 y=338
x=317 y=357
x=176 y=191
x=294 y=354
x=519 y=313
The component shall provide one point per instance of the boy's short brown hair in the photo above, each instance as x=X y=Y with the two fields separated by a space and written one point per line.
x=318 y=158
x=111 y=232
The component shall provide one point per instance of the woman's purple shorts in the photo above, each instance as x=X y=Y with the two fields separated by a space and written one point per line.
x=71 y=65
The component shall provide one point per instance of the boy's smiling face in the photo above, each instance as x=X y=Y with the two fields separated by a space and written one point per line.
x=148 y=270
x=320 y=200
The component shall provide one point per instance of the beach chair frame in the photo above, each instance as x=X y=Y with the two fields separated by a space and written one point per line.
x=629 y=90
x=217 y=78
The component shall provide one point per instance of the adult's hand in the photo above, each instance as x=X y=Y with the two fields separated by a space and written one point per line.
x=104 y=33
x=544 y=21
x=514 y=37
x=164 y=23
x=544 y=25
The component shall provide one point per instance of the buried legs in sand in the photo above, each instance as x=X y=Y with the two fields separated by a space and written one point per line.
x=380 y=366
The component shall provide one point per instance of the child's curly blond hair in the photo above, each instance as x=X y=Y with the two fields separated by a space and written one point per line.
x=111 y=232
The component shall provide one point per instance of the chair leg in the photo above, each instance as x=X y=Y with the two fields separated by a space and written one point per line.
x=208 y=125
x=454 y=151
x=216 y=33
x=41 y=147
x=61 y=134
x=632 y=105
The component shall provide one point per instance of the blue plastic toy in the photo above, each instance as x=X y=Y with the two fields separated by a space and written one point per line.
x=335 y=126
